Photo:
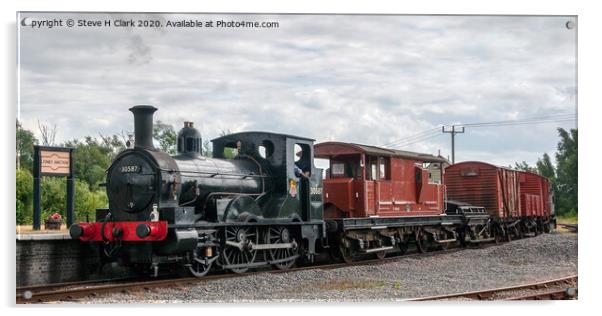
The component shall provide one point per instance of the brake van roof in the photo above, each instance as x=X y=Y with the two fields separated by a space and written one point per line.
x=329 y=149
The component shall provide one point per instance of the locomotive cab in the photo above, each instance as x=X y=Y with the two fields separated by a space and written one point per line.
x=291 y=195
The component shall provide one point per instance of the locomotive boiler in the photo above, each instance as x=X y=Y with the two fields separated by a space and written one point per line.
x=244 y=207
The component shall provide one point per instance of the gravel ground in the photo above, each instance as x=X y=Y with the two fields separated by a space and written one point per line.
x=521 y=261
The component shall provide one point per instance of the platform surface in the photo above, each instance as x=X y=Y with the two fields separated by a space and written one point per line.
x=44 y=236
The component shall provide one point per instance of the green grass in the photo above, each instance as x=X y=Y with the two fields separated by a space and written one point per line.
x=567 y=219
x=355 y=284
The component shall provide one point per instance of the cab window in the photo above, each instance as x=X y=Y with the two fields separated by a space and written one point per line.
x=383 y=165
x=343 y=169
x=371 y=168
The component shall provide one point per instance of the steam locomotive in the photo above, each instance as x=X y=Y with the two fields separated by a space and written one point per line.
x=243 y=208
x=259 y=202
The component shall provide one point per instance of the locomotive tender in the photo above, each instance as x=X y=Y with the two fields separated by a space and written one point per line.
x=260 y=201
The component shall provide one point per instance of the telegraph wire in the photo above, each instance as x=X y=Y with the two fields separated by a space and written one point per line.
x=417 y=135
x=430 y=133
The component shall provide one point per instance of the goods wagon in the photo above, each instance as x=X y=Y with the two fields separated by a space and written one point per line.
x=518 y=201
x=483 y=184
x=535 y=195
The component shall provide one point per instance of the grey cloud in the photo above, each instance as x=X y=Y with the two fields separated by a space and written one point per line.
x=140 y=52
x=368 y=79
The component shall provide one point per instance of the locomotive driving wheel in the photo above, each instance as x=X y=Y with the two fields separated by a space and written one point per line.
x=281 y=235
x=240 y=256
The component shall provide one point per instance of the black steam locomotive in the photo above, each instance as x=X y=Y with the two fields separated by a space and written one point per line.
x=257 y=202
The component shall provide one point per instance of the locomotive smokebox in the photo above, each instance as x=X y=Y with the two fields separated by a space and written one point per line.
x=143 y=126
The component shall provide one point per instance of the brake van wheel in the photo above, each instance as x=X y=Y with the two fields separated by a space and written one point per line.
x=403 y=247
x=421 y=240
x=443 y=246
x=348 y=254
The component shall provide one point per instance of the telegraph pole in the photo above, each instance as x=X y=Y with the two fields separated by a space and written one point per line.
x=453 y=133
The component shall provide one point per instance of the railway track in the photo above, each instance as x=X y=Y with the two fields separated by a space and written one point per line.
x=76 y=290
x=556 y=289
x=573 y=228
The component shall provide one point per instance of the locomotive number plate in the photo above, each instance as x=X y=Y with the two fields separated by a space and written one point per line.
x=130 y=169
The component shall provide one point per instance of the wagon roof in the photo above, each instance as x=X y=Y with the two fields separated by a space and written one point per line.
x=459 y=164
x=326 y=149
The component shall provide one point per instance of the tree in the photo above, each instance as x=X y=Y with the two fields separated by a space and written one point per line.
x=25 y=142
x=24 y=196
x=86 y=201
x=229 y=153
x=115 y=144
x=524 y=166
x=91 y=159
x=48 y=134
x=563 y=176
x=566 y=172
x=166 y=136
x=207 y=148
x=545 y=167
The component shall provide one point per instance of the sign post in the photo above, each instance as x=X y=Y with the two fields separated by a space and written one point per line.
x=55 y=162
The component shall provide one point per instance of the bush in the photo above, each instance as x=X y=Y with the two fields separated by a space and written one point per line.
x=24 y=196
x=54 y=198
x=86 y=201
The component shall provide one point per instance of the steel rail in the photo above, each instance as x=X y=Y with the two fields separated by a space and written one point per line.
x=490 y=293
x=70 y=291
x=560 y=294
x=570 y=227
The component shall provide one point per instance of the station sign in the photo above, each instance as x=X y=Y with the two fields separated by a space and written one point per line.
x=55 y=163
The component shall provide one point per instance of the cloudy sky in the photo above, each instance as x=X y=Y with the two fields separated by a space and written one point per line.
x=366 y=79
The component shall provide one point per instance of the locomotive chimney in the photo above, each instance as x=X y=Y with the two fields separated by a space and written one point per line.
x=143 y=126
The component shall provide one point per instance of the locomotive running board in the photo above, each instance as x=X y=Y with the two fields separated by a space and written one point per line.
x=287 y=245
x=241 y=246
